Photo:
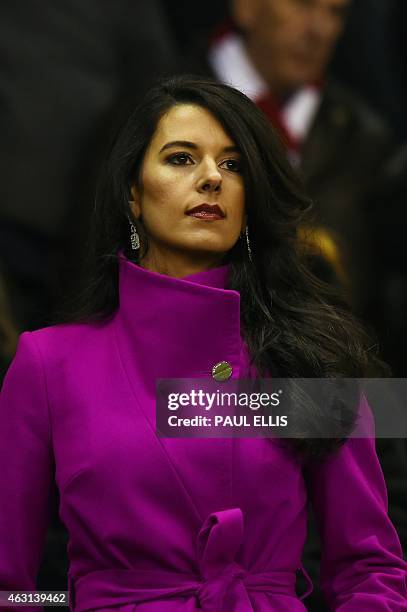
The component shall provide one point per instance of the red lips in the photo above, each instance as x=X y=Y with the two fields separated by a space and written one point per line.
x=207 y=209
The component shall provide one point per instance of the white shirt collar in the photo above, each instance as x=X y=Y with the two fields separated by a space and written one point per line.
x=232 y=65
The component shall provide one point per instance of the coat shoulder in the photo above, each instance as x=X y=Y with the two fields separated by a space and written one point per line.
x=64 y=341
x=341 y=101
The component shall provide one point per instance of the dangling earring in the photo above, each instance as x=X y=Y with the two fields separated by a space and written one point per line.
x=248 y=244
x=134 y=237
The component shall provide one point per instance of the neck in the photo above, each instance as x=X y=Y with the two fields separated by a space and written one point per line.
x=180 y=264
x=261 y=62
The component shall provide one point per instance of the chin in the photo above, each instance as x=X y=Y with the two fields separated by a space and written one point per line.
x=301 y=76
x=206 y=246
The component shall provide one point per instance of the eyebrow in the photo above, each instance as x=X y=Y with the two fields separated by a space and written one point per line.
x=191 y=145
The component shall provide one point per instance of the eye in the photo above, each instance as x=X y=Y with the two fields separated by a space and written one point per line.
x=234 y=165
x=179 y=159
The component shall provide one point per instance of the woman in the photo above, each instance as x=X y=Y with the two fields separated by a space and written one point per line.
x=196 y=265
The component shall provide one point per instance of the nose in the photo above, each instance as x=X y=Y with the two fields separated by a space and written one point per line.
x=210 y=178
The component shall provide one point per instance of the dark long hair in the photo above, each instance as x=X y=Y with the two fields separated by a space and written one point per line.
x=294 y=324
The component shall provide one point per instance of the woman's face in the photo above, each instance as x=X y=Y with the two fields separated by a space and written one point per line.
x=190 y=162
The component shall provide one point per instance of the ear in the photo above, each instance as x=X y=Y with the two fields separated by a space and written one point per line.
x=244 y=13
x=135 y=205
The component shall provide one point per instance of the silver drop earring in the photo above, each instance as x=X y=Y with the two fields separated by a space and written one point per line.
x=134 y=237
x=248 y=244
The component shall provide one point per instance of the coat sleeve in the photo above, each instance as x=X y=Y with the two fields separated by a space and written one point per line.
x=362 y=569
x=26 y=471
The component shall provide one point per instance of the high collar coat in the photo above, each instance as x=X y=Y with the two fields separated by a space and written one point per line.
x=167 y=523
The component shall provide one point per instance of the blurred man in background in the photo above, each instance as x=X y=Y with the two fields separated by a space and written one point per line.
x=277 y=52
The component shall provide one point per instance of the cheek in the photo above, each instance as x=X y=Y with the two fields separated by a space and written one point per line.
x=287 y=24
x=161 y=191
x=238 y=209
x=335 y=30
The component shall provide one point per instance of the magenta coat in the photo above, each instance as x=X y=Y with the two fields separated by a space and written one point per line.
x=175 y=524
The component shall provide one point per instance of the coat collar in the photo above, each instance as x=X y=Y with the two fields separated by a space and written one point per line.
x=176 y=328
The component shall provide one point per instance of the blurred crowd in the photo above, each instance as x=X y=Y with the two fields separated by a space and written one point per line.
x=330 y=76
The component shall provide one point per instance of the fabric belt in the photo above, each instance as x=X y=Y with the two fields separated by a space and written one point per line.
x=222 y=586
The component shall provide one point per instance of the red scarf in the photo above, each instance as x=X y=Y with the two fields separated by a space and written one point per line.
x=269 y=104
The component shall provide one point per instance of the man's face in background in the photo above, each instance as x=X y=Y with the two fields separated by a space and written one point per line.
x=290 y=41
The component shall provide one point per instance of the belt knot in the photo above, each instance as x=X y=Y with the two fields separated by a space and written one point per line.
x=219 y=592
x=219 y=539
